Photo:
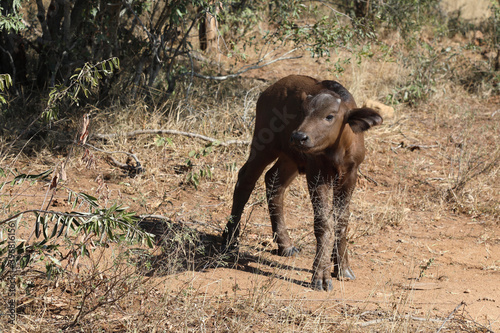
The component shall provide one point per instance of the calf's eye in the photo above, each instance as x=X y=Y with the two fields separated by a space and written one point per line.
x=330 y=117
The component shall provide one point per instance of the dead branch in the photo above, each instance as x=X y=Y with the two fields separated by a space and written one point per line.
x=413 y=147
x=451 y=315
x=132 y=169
x=247 y=68
x=351 y=300
x=127 y=167
x=175 y=132
x=153 y=216
x=382 y=320
x=367 y=177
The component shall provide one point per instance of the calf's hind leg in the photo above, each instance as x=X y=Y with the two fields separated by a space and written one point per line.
x=247 y=177
x=278 y=178
x=341 y=267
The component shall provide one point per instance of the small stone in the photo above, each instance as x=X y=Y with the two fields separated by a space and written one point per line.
x=467 y=291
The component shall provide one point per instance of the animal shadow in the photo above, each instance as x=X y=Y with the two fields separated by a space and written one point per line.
x=181 y=248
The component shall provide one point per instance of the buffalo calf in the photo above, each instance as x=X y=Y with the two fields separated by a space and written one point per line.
x=312 y=127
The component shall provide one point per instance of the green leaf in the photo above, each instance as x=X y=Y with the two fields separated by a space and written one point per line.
x=56 y=225
x=149 y=241
x=44 y=227
x=89 y=199
x=42 y=176
x=25 y=260
x=37 y=225
x=55 y=260
x=66 y=222
x=159 y=141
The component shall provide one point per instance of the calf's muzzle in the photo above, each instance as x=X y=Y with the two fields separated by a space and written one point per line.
x=300 y=139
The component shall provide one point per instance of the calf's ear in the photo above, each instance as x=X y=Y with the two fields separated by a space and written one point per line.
x=361 y=119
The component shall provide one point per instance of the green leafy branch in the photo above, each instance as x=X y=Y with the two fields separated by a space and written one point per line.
x=84 y=79
x=307 y=27
x=54 y=229
x=12 y=21
x=194 y=177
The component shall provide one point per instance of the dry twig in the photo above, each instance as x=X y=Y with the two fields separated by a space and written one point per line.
x=367 y=177
x=248 y=68
x=451 y=315
x=174 y=132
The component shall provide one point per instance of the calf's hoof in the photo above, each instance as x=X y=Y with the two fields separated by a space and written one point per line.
x=229 y=247
x=321 y=285
x=346 y=273
x=288 y=251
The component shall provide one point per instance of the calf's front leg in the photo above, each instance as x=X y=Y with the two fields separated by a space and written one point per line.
x=324 y=230
x=341 y=198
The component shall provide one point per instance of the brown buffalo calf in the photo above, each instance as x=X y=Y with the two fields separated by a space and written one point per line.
x=311 y=127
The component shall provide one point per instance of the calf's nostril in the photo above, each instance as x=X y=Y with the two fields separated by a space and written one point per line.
x=299 y=138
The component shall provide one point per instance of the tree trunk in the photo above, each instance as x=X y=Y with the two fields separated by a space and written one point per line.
x=208 y=30
x=361 y=8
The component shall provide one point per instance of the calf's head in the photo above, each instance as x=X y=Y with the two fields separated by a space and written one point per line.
x=325 y=119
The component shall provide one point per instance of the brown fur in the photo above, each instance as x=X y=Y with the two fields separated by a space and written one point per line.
x=312 y=127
